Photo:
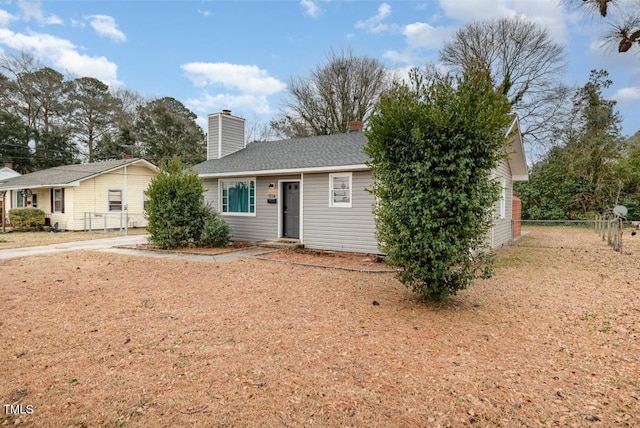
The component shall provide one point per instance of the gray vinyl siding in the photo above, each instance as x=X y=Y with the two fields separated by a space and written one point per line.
x=501 y=231
x=339 y=229
x=231 y=137
x=264 y=225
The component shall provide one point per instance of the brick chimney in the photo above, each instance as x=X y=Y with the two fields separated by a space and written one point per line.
x=225 y=134
x=125 y=156
x=8 y=165
x=355 y=126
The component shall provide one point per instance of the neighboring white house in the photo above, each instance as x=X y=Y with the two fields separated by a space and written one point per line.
x=313 y=189
x=7 y=171
x=109 y=194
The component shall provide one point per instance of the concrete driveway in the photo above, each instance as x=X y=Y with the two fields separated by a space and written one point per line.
x=112 y=245
x=94 y=244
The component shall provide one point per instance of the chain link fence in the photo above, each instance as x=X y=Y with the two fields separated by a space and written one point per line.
x=614 y=230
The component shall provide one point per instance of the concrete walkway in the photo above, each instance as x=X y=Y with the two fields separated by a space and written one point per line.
x=114 y=245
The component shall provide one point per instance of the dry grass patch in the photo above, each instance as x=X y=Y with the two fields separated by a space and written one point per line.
x=100 y=339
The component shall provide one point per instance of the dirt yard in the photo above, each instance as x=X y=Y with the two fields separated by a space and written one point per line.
x=99 y=339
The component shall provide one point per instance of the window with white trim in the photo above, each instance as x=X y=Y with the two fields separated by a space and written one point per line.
x=238 y=197
x=340 y=189
x=18 y=199
x=115 y=200
x=58 y=201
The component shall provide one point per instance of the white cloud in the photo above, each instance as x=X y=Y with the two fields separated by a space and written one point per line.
x=76 y=23
x=375 y=24
x=422 y=41
x=628 y=94
x=475 y=10
x=244 y=87
x=205 y=13
x=248 y=79
x=208 y=103
x=311 y=8
x=33 y=10
x=5 y=18
x=62 y=54
x=83 y=65
x=423 y=35
x=106 y=26
x=547 y=13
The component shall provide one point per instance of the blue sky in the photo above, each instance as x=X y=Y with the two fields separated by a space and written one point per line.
x=239 y=55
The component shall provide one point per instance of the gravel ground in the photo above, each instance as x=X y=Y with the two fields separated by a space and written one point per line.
x=100 y=339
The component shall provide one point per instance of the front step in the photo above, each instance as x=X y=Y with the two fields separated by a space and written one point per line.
x=284 y=243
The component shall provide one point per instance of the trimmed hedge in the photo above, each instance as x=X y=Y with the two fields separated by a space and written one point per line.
x=26 y=218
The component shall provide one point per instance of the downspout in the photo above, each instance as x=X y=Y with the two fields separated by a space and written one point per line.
x=4 y=212
x=125 y=203
x=301 y=224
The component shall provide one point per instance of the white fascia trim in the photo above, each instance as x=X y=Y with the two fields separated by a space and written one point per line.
x=146 y=163
x=42 y=186
x=343 y=168
x=125 y=165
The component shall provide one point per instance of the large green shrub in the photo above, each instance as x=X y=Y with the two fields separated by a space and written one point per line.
x=176 y=211
x=26 y=218
x=434 y=144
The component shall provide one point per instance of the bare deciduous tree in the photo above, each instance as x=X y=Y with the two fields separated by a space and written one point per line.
x=526 y=65
x=623 y=16
x=344 y=89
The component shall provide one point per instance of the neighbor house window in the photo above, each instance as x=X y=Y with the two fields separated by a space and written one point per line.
x=238 y=197
x=18 y=199
x=340 y=190
x=145 y=200
x=57 y=200
x=34 y=200
x=115 y=200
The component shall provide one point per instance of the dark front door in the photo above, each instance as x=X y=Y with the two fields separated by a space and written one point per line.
x=291 y=210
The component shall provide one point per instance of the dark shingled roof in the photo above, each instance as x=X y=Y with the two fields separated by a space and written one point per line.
x=64 y=175
x=324 y=151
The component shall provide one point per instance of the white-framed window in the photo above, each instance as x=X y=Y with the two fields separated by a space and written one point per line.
x=57 y=200
x=34 y=200
x=238 y=196
x=115 y=200
x=145 y=200
x=18 y=199
x=340 y=187
x=503 y=199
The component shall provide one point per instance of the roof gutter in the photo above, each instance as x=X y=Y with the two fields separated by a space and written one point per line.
x=320 y=169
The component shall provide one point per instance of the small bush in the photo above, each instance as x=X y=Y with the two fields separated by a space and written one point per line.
x=26 y=218
x=215 y=232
